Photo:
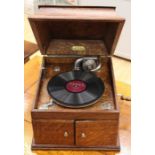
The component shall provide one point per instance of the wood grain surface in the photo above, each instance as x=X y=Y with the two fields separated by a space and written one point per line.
x=81 y=23
x=56 y=132
x=104 y=73
x=29 y=49
x=43 y=41
x=29 y=97
x=91 y=47
x=96 y=133
x=77 y=12
x=31 y=75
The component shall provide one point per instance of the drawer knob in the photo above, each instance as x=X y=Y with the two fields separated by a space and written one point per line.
x=83 y=135
x=65 y=134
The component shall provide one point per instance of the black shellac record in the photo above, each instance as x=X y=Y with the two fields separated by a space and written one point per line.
x=75 y=89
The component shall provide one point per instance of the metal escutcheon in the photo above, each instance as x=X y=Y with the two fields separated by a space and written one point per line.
x=65 y=134
x=83 y=135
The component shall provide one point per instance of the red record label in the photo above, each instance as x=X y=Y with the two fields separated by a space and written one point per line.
x=76 y=86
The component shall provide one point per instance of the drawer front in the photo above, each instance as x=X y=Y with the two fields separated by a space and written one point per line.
x=96 y=133
x=59 y=132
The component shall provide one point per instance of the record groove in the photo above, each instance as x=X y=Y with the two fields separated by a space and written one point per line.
x=75 y=88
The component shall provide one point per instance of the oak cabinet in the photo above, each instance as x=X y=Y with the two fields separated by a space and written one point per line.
x=56 y=132
x=76 y=133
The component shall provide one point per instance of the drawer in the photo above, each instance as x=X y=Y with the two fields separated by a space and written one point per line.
x=59 y=132
x=96 y=133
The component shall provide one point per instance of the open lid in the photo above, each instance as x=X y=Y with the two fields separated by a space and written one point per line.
x=76 y=30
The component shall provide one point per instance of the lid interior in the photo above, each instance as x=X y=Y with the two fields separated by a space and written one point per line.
x=81 y=37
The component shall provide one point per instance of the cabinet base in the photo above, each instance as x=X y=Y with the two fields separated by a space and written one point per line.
x=73 y=147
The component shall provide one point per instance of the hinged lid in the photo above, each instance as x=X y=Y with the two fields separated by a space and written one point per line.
x=76 y=30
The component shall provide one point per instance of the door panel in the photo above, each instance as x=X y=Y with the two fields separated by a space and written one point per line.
x=59 y=132
x=96 y=133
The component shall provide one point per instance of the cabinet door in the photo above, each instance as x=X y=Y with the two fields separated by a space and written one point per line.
x=55 y=132
x=96 y=133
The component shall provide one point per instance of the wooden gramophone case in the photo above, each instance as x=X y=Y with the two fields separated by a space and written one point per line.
x=64 y=34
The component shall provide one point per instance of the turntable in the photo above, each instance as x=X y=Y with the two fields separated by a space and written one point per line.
x=75 y=106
